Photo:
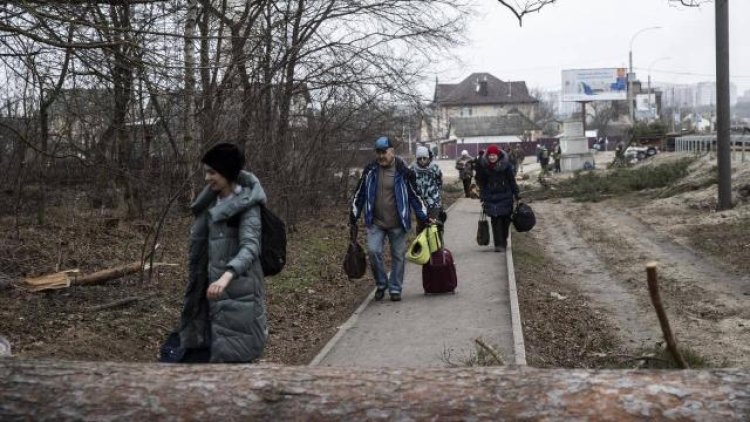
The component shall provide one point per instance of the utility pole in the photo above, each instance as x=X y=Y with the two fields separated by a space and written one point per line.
x=723 y=151
x=674 y=107
x=631 y=112
x=631 y=75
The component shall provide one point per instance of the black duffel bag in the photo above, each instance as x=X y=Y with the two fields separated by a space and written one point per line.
x=523 y=218
x=355 y=263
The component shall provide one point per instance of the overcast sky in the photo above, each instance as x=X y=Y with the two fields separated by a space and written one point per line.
x=573 y=34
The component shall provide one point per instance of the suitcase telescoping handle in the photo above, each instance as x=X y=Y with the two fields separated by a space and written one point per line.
x=439 y=224
x=353 y=233
x=433 y=237
x=440 y=249
x=442 y=258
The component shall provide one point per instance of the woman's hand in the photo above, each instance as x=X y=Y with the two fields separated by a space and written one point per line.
x=216 y=288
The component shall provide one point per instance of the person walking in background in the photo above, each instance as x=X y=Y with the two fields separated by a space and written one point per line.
x=429 y=181
x=520 y=156
x=513 y=158
x=385 y=193
x=556 y=156
x=465 y=167
x=498 y=190
x=476 y=161
x=619 y=160
x=543 y=157
x=224 y=313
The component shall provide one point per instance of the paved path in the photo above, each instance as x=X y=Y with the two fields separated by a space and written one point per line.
x=421 y=330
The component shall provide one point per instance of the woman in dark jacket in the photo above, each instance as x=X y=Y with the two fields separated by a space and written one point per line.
x=224 y=312
x=498 y=188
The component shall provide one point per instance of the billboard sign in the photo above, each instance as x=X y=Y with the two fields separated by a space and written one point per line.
x=606 y=84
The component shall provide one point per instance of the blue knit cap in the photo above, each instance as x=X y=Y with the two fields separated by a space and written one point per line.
x=383 y=142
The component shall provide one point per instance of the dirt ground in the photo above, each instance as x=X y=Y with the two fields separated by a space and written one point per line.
x=582 y=279
x=307 y=301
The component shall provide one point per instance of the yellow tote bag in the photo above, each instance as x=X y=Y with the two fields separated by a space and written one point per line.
x=433 y=238
x=426 y=242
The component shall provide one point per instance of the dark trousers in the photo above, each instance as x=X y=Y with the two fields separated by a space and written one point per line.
x=467 y=187
x=500 y=227
x=557 y=166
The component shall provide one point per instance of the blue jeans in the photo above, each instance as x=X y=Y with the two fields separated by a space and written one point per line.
x=375 y=241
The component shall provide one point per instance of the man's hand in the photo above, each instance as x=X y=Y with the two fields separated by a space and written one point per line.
x=216 y=288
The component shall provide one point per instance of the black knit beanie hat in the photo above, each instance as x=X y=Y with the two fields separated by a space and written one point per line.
x=226 y=159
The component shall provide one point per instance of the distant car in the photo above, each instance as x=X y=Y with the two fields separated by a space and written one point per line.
x=639 y=153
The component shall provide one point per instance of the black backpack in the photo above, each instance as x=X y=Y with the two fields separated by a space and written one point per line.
x=273 y=242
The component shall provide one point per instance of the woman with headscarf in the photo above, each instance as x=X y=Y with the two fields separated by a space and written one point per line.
x=498 y=189
x=465 y=167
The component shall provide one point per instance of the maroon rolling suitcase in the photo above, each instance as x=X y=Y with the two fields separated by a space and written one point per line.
x=439 y=275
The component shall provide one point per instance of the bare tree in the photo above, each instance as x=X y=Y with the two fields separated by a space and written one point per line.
x=546 y=113
x=289 y=80
x=601 y=114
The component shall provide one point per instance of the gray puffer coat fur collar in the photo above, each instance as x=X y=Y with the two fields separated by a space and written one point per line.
x=226 y=237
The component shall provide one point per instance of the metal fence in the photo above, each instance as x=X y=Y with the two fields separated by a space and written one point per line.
x=706 y=144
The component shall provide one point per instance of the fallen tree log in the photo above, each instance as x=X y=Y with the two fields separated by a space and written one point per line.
x=64 y=279
x=115 y=273
x=107 y=275
x=57 y=390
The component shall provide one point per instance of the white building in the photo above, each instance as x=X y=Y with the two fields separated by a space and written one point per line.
x=481 y=95
x=701 y=94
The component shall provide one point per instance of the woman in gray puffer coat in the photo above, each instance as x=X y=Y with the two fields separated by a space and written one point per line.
x=224 y=310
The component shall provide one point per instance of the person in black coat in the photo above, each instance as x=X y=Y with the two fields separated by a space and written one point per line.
x=498 y=189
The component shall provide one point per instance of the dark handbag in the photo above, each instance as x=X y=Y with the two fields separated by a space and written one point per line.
x=523 y=218
x=171 y=351
x=483 y=231
x=355 y=262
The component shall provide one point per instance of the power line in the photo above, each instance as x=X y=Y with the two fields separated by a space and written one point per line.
x=675 y=72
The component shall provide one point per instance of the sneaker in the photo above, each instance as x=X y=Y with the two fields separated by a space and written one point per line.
x=395 y=297
x=379 y=294
x=499 y=249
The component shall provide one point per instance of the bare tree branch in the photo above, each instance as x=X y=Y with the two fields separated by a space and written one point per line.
x=521 y=8
x=690 y=3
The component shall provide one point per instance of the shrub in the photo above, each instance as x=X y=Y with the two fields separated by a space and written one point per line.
x=592 y=187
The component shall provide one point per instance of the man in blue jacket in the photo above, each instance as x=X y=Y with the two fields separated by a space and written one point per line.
x=385 y=193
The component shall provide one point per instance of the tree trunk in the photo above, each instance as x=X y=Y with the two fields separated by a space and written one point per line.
x=55 y=390
x=188 y=115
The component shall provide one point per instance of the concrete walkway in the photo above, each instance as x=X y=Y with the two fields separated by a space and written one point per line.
x=429 y=331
